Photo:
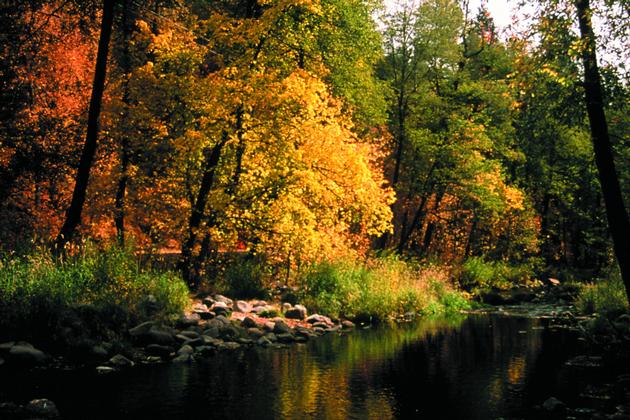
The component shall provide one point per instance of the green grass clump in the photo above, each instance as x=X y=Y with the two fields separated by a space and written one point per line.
x=477 y=274
x=604 y=296
x=379 y=289
x=38 y=291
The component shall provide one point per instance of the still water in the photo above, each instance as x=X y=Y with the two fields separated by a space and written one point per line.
x=476 y=367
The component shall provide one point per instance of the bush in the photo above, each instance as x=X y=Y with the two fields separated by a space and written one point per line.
x=38 y=291
x=604 y=296
x=382 y=288
x=245 y=278
x=478 y=274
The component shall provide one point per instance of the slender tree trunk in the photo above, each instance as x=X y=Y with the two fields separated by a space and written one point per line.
x=121 y=191
x=199 y=207
x=618 y=221
x=73 y=214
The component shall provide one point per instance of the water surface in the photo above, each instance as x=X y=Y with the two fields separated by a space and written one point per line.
x=478 y=367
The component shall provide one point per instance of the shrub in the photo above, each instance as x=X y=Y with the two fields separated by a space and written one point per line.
x=379 y=289
x=38 y=291
x=604 y=296
x=477 y=274
x=245 y=278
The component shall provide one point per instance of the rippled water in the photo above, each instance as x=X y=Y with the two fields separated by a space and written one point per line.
x=479 y=367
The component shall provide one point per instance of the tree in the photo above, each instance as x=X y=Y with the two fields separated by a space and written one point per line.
x=73 y=214
x=616 y=212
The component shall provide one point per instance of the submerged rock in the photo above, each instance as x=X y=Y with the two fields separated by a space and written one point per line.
x=26 y=354
x=120 y=361
x=42 y=408
x=554 y=406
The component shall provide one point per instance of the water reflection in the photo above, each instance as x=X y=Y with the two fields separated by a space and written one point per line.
x=477 y=367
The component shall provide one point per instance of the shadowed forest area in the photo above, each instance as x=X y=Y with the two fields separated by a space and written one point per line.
x=318 y=145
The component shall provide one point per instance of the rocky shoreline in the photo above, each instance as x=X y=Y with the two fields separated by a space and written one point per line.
x=213 y=324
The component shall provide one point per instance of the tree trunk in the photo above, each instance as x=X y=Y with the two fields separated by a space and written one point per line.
x=73 y=214
x=618 y=221
x=198 y=210
x=121 y=192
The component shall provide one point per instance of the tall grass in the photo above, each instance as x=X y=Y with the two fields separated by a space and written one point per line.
x=604 y=296
x=382 y=288
x=37 y=290
x=477 y=274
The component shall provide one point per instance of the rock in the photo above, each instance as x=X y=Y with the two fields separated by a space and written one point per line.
x=159 y=350
x=99 y=352
x=223 y=299
x=263 y=341
x=257 y=303
x=212 y=331
x=245 y=341
x=248 y=322
x=141 y=329
x=104 y=369
x=200 y=307
x=211 y=341
x=271 y=337
x=268 y=326
x=300 y=339
x=323 y=325
x=42 y=408
x=185 y=349
x=297 y=312
x=286 y=306
x=26 y=354
x=285 y=338
x=187 y=320
x=229 y=332
x=182 y=358
x=190 y=334
x=554 y=405
x=242 y=306
x=195 y=342
x=120 y=361
x=207 y=315
x=229 y=346
x=312 y=319
x=1 y=361
x=5 y=347
x=208 y=301
x=223 y=320
x=220 y=308
x=303 y=332
x=584 y=361
x=347 y=324
x=280 y=327
x=205 y=350
x=255 y=333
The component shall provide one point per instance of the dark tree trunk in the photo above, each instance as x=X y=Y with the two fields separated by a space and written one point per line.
x=618 y=221
x=121 y=191
x=73 y=214
x=199 y=208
